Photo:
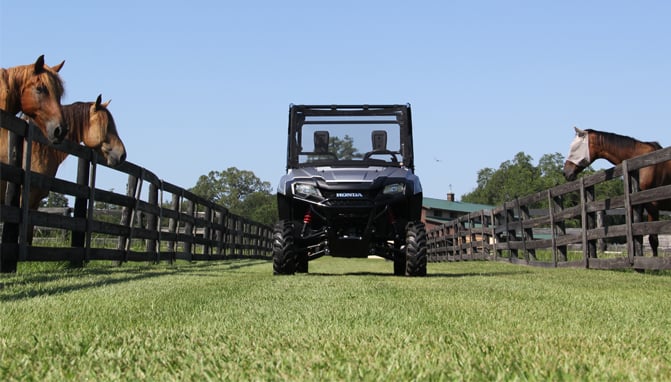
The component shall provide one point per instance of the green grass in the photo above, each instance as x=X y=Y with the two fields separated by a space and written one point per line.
x=349 y=319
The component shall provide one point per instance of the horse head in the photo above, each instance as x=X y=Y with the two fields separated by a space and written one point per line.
x=578 y=156
x=102 y=133
x=40 y=97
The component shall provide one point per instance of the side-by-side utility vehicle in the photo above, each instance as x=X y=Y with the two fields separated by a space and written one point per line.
x=350 y=189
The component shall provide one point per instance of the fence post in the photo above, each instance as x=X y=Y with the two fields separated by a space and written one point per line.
x=152 y=221
x=80 y=211
x=497 y=220
x=127 y=218
x=492 y=236
x=9 y=256
x=527 y=233
x=600 y=223
x=221 y=231
x=188 y=229
x=591 y=220
x=634 y=243
x=556 y=204
x=26 y=227
x=583 y=223
x=511 y=237
x=207 y=230
x=172 y=224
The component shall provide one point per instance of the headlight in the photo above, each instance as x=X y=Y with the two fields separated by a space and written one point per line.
x=394 y=189
x=306 y=190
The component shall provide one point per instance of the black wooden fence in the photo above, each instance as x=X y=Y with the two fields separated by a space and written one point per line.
x=517 y=230
x=171 y=223
x=162 y=222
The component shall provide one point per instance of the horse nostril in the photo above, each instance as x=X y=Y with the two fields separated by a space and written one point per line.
x=61 y=131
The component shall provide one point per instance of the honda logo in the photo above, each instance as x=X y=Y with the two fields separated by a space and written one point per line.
x=349 y=195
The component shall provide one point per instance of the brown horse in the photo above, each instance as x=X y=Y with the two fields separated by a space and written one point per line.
x=90 y=123
x=590 y=145
x=35 y=90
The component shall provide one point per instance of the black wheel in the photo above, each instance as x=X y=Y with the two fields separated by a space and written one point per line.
x=284 y=252
x=415 y=249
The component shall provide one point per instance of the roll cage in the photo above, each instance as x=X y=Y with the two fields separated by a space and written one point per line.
x=350 y=135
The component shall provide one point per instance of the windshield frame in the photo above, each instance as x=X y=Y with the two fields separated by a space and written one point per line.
x=343 y=135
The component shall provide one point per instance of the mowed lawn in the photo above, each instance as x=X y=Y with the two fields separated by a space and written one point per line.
x=348 y=319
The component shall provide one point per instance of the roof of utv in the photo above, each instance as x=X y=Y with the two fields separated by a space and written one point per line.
x=377 y=121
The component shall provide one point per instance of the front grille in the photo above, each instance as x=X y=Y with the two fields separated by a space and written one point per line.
x=333 y=194
x=352 y=203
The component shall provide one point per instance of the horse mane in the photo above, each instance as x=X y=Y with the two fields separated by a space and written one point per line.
x=623 y=140
x=655 y=144
x=77 y=117
x=54 y=84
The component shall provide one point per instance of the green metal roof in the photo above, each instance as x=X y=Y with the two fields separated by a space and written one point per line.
x=444 y=204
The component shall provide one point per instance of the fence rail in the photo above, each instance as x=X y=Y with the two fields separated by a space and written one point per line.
x=513 y=233
x=168 y=223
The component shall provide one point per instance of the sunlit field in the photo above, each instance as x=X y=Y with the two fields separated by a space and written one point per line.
x=348 y=319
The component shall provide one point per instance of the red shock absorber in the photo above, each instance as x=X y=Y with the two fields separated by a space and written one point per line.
x=390 y=216
x=307 y=218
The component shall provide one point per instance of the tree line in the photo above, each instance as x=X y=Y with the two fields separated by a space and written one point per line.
x=519 y=177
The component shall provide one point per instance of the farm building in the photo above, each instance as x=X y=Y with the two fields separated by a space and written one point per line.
x=438 y=211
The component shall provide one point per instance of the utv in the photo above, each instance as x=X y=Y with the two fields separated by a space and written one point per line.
x=350 y=189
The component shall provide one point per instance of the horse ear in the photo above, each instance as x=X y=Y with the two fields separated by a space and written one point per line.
x=99 y=103
x=39 y=64
x=579 y=131
x=58 y=67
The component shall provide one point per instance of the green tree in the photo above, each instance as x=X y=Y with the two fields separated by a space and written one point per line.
x=514 y=178
x=520 y=177
x=551 y=170
x=242 y=192
x=54 y=200
x=261 y=207
x=344 y=148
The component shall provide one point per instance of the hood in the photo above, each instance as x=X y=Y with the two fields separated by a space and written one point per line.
x=350 y=175
x=344 y=175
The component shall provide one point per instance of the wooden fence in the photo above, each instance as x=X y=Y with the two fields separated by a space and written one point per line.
x=517 y=230
x=163 y=222
x=171 y=223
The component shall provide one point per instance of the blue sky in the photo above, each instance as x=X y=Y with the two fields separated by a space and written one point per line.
x=199 y=86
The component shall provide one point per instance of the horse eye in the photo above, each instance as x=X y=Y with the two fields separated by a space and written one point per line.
x=42 y=89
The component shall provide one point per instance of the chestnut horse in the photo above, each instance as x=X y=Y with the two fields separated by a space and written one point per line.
x=35 y=90
x=590 y=145
x=90 y=123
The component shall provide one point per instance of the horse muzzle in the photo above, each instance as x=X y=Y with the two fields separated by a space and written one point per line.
x=56 y=132
x=115 y=157
x=571 y=171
